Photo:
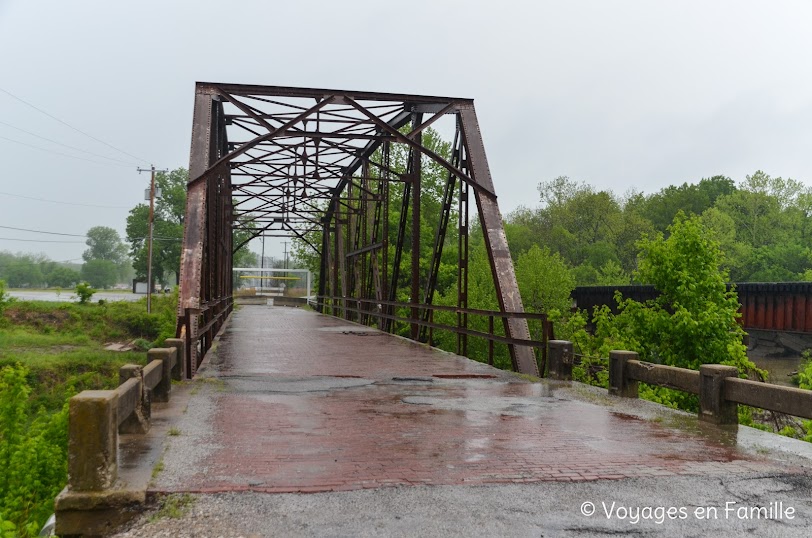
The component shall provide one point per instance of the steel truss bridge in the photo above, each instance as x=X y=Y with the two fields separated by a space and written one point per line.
x=318 y=165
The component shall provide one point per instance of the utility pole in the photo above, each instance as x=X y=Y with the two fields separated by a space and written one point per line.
x=151 y=170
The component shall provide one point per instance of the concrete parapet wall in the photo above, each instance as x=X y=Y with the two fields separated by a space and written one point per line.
x=94 y=503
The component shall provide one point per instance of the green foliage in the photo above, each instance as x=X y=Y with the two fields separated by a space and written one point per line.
x=174 y=506
x=113 y=321
x=693 y=321
x=104 y=244
x=170 y=210
x=21 y=271
x=5 y=298
x=100 y=273
x=84 y=291
x=33 y=455
x=39 y=370
x=804 y=376
x=29 y=271
x=62 y=277
x=545 y=281
x=763 y=226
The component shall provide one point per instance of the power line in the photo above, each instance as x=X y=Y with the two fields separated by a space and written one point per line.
x=60 y=153
x=63 y=203
x=41 y=232
x=66 y=145
x=71 y=126
x=80 y=235
x=40 y=240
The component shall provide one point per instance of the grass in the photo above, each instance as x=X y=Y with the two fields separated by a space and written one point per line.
x=218 y=384
x=174 y=431
x=157 y=469
x=62 y=344
x=174 y=506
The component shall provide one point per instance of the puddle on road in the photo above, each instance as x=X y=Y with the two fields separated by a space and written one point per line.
x=294 y=385
x=499 y=405
x=352 y=329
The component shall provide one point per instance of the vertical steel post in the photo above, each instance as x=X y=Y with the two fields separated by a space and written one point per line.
x=416 y=172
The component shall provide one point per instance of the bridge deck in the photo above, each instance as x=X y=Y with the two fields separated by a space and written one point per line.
x=299 y=402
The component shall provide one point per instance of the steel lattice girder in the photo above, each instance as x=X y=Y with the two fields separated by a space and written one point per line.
x=290 y=159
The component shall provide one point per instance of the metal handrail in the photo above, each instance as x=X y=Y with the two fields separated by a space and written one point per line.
x=340 y=303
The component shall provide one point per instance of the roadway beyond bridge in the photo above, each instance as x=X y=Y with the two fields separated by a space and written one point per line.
x=389 y=437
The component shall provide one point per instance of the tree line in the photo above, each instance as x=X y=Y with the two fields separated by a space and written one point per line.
x=109 y=259
x=762 y=225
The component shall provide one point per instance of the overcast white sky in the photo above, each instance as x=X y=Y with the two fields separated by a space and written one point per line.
x=632 y=94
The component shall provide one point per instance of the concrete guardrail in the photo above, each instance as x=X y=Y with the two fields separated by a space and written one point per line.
x=718 y=386
x=93 y=502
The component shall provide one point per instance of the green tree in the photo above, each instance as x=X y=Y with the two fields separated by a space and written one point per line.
x=694 y=320
x=545 y=281
x=62 y=277
x=692 y=199
x=104 y=244
x=168 y=220
x=23 y=272
x=169 y=212
x=100 y=273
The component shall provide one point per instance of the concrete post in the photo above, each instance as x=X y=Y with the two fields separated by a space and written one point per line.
x=619 y=383
x=93 y=440
x=138 y=421
x=162 y=390
x=561 y=359
x=712 y=405
x=180 y=353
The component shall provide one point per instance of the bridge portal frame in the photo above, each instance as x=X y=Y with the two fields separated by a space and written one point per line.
x=329 y=151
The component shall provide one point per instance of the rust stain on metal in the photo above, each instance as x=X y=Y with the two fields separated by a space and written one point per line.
x=269 y=161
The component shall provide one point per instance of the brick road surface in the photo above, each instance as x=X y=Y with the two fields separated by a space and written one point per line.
x=299 y=402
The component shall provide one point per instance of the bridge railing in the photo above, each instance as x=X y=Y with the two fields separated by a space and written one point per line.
x=718 y=386
x=198 y=327
x=96 y=418
x=363 y=309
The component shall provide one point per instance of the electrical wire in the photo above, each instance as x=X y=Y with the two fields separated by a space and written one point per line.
x=67 y=146
x=40 y=240
x=64 y=203
x=154 y=238
x=71 y=126
x=63 y=154
x=41 y=232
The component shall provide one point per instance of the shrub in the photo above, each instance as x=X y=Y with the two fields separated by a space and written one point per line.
x=33 y=456
x=84 y=291
x=5 y=298
x=804 y=376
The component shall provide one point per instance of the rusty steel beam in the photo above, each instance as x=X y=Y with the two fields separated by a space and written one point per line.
x=504 y=275
x=316 y=161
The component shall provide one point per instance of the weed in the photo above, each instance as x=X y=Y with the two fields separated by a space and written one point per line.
x=158 y=468
x=174 y=506
x=174 y=431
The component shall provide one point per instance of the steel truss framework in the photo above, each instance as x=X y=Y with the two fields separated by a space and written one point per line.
x=291 y=161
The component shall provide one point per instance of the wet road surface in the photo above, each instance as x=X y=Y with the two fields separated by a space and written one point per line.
x=387 y=437
x=299 y=402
